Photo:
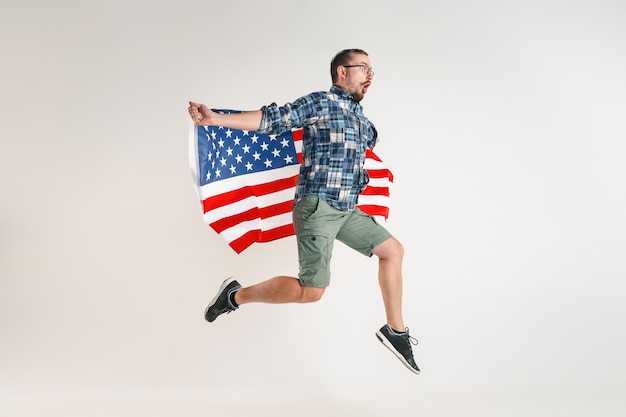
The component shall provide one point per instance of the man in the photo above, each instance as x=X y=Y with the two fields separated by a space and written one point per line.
x=336 y=135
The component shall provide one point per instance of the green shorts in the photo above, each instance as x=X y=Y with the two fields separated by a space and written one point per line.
x=317 y=225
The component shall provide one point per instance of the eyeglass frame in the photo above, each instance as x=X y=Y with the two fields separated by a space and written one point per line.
x=363 y=66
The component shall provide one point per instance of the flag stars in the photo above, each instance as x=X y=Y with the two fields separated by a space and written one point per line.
x=230 y=152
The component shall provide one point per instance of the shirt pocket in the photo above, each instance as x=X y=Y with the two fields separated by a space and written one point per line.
x=367 y=132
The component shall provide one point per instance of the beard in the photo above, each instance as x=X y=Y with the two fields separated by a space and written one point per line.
x=360 y=91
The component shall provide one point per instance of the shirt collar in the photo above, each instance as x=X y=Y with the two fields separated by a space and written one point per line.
x=341 y=93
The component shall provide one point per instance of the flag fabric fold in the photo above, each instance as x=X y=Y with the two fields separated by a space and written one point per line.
x=246 y=182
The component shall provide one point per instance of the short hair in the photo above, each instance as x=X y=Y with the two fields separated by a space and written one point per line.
x=342 y=58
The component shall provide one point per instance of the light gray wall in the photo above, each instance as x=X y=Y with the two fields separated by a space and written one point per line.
x=503 y=122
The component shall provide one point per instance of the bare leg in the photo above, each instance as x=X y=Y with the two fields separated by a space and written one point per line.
x=390 y=254
x=277 y=290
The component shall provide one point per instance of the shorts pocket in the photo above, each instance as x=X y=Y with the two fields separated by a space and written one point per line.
x=314 y=253
x=306 y=207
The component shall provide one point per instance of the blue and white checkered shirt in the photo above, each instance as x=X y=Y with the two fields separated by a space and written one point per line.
x=336 y=135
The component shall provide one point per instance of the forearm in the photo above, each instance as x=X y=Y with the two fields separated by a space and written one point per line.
x=249 y=120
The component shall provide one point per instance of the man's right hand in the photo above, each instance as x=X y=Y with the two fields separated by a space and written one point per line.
x=200 y=114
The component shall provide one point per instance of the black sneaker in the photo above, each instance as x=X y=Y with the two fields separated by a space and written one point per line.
x=222 y=302
x=400 y=345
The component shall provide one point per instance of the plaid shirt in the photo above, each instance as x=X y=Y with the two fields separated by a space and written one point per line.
x=336 y=135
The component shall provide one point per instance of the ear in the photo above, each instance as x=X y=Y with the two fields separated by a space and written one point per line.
x=341 y=72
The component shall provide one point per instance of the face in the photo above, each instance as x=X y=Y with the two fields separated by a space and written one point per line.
x=352 y=78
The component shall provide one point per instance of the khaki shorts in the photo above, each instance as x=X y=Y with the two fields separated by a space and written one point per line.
x=317 y=225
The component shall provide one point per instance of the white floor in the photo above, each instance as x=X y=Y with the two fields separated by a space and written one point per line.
x=607 y=403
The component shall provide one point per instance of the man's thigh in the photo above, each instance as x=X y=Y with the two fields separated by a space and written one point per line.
x=362 y=232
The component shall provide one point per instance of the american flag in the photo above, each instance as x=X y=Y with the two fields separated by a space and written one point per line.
x=246 y=182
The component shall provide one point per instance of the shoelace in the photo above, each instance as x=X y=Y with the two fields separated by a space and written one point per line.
x=410 y=339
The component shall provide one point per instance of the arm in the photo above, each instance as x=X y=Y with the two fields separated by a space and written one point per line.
x=203 y=116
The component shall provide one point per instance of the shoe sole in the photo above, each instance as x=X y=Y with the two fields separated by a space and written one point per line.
x=222 y=287
x=381 y=337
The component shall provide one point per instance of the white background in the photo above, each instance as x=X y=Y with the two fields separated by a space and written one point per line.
x=503 y=122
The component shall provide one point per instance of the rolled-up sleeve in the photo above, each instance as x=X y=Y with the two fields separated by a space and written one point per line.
x=271 y=120
x=278 y=119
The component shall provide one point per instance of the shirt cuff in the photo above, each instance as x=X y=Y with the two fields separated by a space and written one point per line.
x=265 y=119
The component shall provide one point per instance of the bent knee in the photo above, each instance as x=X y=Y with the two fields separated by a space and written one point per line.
x=390 y=248
x=311 y=294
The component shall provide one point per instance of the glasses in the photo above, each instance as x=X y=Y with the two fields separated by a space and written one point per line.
x=364 y=68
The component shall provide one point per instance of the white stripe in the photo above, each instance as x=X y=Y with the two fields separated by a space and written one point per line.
x=373 y=200
x=379 y=182
x=193 y=153
x=373 y=164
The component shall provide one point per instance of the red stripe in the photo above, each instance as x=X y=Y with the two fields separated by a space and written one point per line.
x=252 y=214
x=374 y=210
x=244 y=241
x=380 y=173
x=369 y=153
x=239 y=194
x=297 y=134
x=241 y=243
x=382 y=191
x=277 y=233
